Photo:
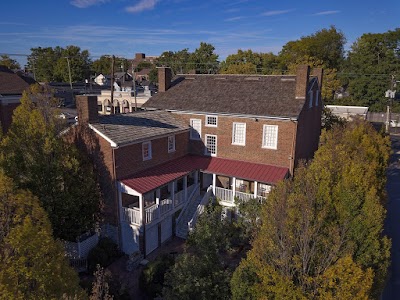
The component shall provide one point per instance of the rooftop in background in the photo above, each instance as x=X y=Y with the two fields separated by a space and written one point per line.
x=256 y=95
x=152 y=178
x=123 y=129
x=348 y=112
x=12 y=83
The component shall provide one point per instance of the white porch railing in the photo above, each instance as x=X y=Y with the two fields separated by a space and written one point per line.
x=165 y=206
x=179 y=197
x=152 y=213
x=226 y=195
x=131 y=215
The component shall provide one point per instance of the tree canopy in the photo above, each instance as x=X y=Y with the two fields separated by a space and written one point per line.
x=33 y=264
x=10 y=63
x=324 y=226
x=36 y=157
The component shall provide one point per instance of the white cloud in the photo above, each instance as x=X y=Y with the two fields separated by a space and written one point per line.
x=327 y=12
x=233 y=19
x=87 y=3
x=141 y=6
x=275 y=12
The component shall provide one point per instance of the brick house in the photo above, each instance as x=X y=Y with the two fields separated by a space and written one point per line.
x=229 y=136
x=12 y=86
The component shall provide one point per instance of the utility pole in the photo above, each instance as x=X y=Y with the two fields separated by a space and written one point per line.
x=134 y=84
x=69 y=72
x=112 y=84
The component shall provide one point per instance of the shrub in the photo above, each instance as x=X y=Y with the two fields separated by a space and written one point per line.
x=104 y=254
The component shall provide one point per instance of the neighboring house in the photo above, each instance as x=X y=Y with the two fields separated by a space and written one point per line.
x=142 y=75
x=349 y=112
x=141 y=57
x=203 y=135
x=12 y=86
x=101 y=79
x=124 y=100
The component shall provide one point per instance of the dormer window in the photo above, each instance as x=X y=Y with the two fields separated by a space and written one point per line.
x=211 y=121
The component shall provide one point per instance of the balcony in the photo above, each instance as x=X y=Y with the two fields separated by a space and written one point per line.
x=226 y=196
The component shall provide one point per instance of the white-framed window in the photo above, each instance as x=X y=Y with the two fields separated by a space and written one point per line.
x=270 y=137
x=171 y=143
x=211 y=121
x=263 y=189
x=195 y=129
x=239 y=134
x=146 y=150
x=316 y=98
x=211 y=145
x=311 y=94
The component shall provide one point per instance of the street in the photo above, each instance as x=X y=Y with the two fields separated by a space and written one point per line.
x=392 y=224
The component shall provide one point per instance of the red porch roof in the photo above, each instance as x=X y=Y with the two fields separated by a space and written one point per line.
x=157 y=176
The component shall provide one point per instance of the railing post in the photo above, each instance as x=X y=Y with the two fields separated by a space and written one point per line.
x=141 y=209
x=158 y=202
x=214 y=181
x=255 y=189
x=233 y=189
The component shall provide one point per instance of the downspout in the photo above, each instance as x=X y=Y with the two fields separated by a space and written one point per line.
x=116 y=198
x=292 y=155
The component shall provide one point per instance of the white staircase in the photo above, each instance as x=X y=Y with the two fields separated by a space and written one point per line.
x=188 y=218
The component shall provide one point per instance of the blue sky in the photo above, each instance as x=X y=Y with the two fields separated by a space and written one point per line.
x=124 y=27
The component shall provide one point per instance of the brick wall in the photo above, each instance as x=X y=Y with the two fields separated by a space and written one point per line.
x=129 y=159
x=252 y=151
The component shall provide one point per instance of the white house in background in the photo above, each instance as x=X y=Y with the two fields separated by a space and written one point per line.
x=349 y=112
x=100 y=79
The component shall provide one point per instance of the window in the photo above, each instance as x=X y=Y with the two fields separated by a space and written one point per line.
x=211 y=121
x=171 y=143
x=146 y=150
x=195 y=130
x=211 y=145
x=311 y=94
x=270 y=137
x=263 y=189
x=239 y=134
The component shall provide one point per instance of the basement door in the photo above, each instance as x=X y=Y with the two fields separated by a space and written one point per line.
x=166 y=229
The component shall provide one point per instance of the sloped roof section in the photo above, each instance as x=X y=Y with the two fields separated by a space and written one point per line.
x=157 y=176
x=11 y=83
x=127 y=128
x=232 y=94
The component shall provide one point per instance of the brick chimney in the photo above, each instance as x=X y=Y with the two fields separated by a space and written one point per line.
x=164 y=78
x=319 y=73
x=87 y=109
x=302 y=76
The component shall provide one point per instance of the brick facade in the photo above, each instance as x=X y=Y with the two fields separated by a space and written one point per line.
x=129 y=159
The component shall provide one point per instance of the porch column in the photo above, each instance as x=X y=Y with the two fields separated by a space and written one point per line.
x=233 y=188
x=255 y=189
x=142 y=212
x=158 y=202
x=185 y=193
x=214 y=182
x=172 y=188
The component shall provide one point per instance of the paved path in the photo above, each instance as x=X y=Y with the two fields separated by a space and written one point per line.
x=392 y=225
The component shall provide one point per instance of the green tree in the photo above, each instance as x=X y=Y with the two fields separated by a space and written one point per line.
x=331 y=210
x=200 y=273
x=35 y=156
x=103 y=65
x=41 y=62
x=79 y=65
x=10 y=63
x=181 y=62
x=33 y=264
x=326 y=45
x=371 y=62
x=205 y=59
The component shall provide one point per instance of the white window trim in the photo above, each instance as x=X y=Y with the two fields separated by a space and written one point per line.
x=211 y=125
x=216 y=145
x=233 y=134
x=192 y=129
x=275 y=147
x=174 y=145
x=150 y=151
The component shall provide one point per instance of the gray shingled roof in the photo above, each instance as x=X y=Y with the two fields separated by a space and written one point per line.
x=127 y=128
x=233 y=94
x=11 y=83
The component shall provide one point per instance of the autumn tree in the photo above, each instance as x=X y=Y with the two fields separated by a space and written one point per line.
x=35 y=156
x=10 y=63
x=324 y=226
x=33 y=264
